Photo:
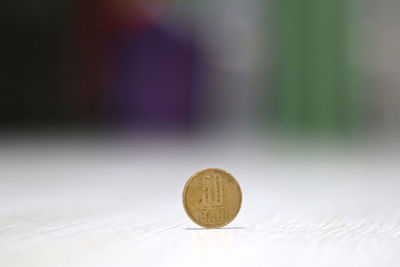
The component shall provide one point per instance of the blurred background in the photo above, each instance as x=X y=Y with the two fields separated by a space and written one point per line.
x=302 y=67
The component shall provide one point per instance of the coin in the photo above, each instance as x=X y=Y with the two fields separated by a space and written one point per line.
x=212 y=198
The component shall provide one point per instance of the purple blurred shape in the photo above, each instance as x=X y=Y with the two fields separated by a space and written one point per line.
x=153 y=81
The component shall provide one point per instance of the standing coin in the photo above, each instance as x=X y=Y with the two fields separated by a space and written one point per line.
x=212 y=198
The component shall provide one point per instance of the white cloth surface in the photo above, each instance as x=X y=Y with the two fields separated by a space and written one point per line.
x=99 y=203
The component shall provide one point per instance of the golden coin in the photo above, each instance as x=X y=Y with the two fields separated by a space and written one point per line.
x=212 y=198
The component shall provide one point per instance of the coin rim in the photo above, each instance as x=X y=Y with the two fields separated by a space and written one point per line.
x=184 y=200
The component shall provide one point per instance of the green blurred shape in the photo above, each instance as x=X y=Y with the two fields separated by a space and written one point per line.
x=315 y=80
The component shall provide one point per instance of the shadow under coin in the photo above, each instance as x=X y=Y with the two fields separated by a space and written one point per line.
x=223 y=228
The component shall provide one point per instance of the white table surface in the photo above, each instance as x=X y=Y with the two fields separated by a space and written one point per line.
x=106 y=202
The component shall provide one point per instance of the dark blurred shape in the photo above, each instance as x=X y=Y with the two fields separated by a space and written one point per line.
x=32 y=55
x=129 y=68
x=95 y=62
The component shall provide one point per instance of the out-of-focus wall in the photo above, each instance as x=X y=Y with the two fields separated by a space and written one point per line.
x=237 y=64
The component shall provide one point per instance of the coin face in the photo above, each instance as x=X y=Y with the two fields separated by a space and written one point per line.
x=212 y=198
